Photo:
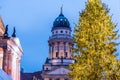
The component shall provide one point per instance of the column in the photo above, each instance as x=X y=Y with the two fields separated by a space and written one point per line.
x=1 y=58
x=9 y=62
x=50 y=51
x=58 y=48
x=64 y=49
x=71 y=46
x=19 y=69
x=5 y=68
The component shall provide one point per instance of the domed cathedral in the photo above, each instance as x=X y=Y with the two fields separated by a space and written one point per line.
x=60 y=50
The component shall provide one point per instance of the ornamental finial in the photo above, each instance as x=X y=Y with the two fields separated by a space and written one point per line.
x=61 y=14
x=14 y=32
x=6 y=32
x=61 y=9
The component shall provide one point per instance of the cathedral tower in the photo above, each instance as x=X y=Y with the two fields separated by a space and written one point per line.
x=60 y=50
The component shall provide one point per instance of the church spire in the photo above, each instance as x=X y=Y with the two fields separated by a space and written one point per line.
x=61 y=9
x=6 y=32
x=61 y=12
x=14 y=32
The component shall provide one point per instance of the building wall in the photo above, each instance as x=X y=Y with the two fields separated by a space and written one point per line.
x=46 y=79
x=61 y=51
x=1 y=58
x=16 y=53
x=2 y=30
x=10 y=54
x=58 y=31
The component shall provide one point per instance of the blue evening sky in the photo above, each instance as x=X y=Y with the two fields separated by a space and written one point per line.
x=33 y=20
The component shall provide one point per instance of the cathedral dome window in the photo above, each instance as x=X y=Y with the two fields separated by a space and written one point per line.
x=61 y=31
x=56 y=31
x=66 y=31
x=46 y=68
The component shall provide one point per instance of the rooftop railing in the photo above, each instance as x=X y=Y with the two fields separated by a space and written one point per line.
x=60 y=36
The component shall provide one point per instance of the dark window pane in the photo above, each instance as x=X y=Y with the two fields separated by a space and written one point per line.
x=66 y=54
x=57 y=54
x=61 y=31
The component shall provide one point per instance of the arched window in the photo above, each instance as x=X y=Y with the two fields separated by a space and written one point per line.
x=46 y=68
x=58 y=79
x=66 y=31
x=57 y=54
x=56 y=31
x=66 y=54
